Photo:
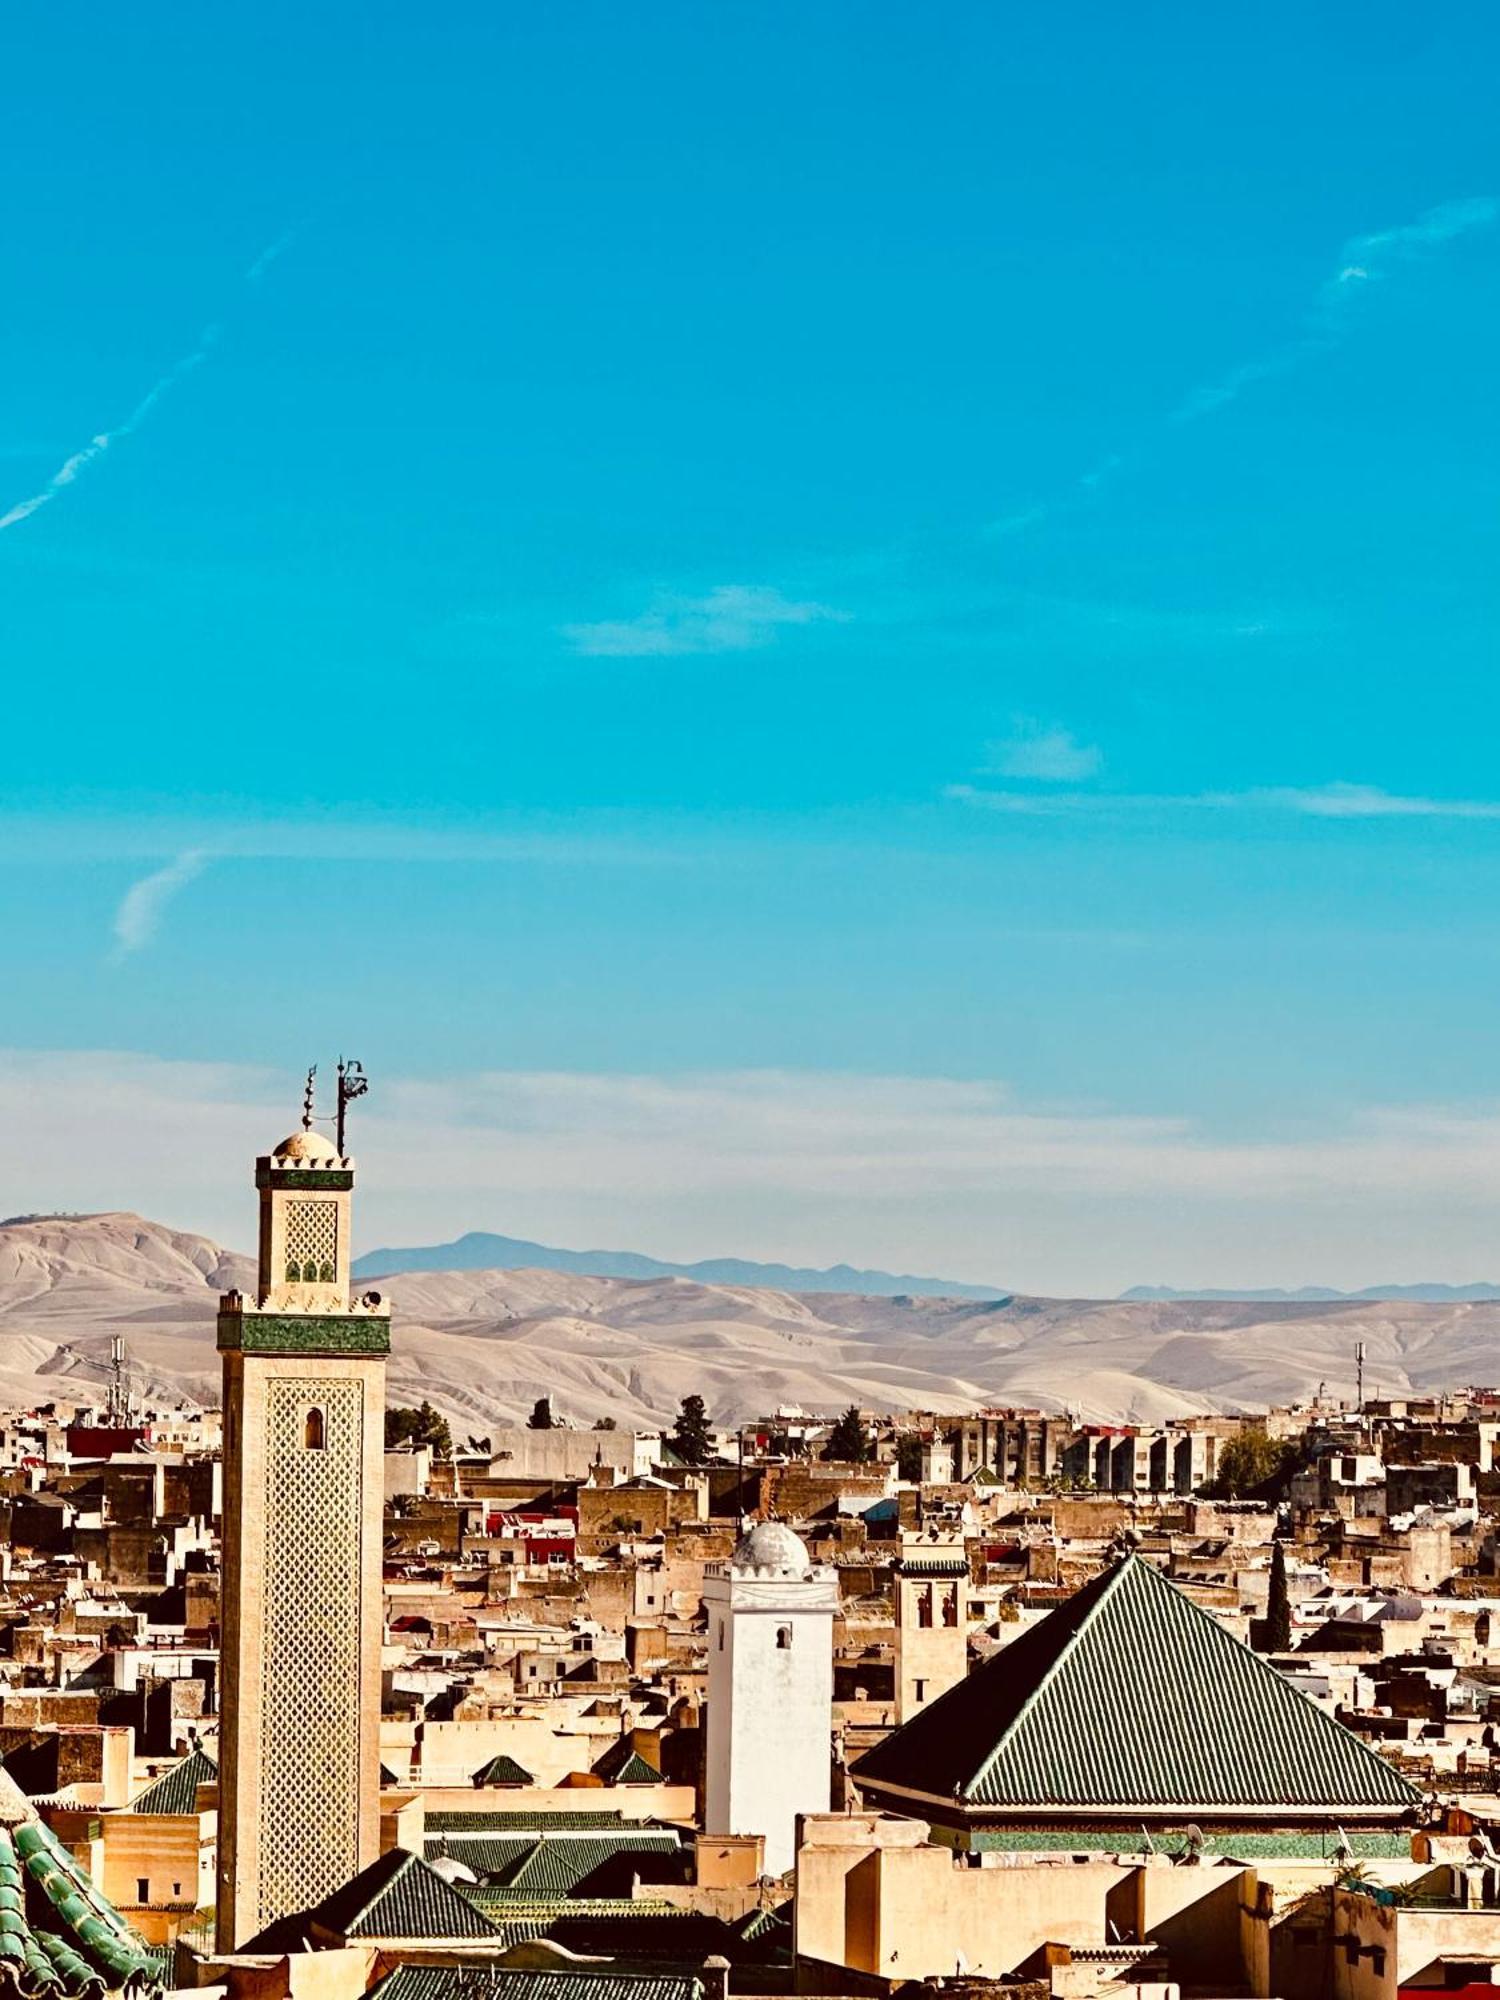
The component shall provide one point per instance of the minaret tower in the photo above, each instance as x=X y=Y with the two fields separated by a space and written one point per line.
x=304 y=1437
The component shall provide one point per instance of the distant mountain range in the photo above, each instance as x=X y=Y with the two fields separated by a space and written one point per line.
x=481 y=1251
x=1432 y=1294
x=483 y=1345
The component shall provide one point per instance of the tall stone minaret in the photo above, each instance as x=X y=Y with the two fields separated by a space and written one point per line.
x=304 y=1437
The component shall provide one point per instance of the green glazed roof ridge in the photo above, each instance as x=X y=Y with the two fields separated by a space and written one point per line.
x=972 y=1786
x=1131 y=1697
x=1154 y=1598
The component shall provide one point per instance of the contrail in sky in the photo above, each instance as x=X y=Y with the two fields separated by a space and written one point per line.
x=1364 y=260
x=79 y=461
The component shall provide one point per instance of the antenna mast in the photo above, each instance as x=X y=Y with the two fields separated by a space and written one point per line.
x=117 y=1408
x=1359 y=1375
x=352 y=1083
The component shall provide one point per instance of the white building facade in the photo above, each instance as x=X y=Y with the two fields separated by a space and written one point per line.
x=770 y=1689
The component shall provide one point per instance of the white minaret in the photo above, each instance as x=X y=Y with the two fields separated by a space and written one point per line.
x=770 y=1689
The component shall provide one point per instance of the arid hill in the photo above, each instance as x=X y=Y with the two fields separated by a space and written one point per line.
x=485 y=1344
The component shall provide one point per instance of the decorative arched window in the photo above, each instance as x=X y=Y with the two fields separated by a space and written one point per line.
x=312 y=1434
x=293 y=1271
x=784 y=1638
x=309 y=1272
x=325 y=1274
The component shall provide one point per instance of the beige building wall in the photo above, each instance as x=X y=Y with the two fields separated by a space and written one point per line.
x=873 y=1895
x=158 y=1858
x=932 y=1646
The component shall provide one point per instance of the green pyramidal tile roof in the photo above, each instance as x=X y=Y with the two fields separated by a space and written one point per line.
x=623 y=1765
x=503 y=1770
x=176 y=1791
x=399 y=1896
x=1132 y=1698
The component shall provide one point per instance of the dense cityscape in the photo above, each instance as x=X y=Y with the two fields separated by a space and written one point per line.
x=297 y=1695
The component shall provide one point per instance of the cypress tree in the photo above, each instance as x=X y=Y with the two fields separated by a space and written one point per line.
x=1278 y=1604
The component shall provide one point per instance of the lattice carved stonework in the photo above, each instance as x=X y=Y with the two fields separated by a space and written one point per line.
x=310 y=1677
x=312 y=1233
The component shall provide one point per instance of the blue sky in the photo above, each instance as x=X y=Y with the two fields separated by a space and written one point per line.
x=647 y=570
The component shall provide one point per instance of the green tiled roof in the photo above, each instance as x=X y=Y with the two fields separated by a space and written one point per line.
x=622 y=1765
x=1131 y=1698
x=1323 y=1845
x=933 y=1562
x=560 y=1863
x=503 y=1770
x=399 y=1896
x=58 y=1936
x=483 y=1853
x=176 y=1791
x=480 y=1821
x=494 y=1982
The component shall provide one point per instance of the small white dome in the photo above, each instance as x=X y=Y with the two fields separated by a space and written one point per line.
x=305 y=1146
x=771 y=1549
x=452 y=1870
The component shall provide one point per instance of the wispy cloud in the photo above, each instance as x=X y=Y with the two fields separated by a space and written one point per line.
x=1363 y=261
x=732 y=618
x=1048 y=754
x=908 y=1171
x=78 y=462
x=257 y=268
x=1333 y=801
x=144 y=903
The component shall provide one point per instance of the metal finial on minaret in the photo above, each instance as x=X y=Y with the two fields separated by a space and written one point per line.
x=352 y=1083
x=307 y=1100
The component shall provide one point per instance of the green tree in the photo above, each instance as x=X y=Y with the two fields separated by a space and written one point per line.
x=605 y=1424
x=690 y=1432
x=541 y=1415
x=847 y=1443
x=1278 y=1626
x=909 y=1458
x=424 y=1425
x=1252 y=1463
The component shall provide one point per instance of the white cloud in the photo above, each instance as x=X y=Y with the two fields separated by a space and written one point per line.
x=732 y=618
x=1333 y=801
x=98 y=445
x=102 y=441
x=1362 y=261
x=1035 y=750
x=903 y=1172
x=144 y=903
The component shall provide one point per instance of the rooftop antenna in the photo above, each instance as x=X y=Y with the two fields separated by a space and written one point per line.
x=1359 y=1375
x=352 y=1083
x=117 y=1408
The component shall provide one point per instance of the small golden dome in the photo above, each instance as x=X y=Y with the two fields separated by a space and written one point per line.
x=305 y=1146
